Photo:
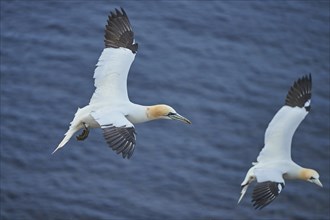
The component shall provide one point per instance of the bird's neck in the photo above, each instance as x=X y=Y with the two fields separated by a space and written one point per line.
x=294 y=171
x=137 y=113
x=141 y=113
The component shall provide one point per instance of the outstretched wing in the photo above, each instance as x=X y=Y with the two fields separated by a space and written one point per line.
x=118 y=132
x=265 y=192
x=278 y=135
x=115 y=61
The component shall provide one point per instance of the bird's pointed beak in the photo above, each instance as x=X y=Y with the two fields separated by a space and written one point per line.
x=317 y=182
x=178 y=117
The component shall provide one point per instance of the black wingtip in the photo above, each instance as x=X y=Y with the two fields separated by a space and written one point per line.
x=264 y=193
x=300 y=93
x=122 y=139
x=118 y=31
x=118 y=12
x=123 y=11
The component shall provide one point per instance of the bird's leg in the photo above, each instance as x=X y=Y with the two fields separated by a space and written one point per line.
x=84 y=133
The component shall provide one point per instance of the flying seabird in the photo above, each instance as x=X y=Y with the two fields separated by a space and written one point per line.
x=110 y=108
x=274 y=163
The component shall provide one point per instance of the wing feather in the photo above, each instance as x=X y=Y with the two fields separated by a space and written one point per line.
x=118 y=31
x=265 y=192
x=279 y=133
x=300 y=93
x=118 y=132
x=124 y=141
x=111 y=76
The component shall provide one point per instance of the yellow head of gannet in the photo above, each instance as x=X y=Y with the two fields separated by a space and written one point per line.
x=274 y=163
x=310 y=175
x=164 y=112
x=110 y=108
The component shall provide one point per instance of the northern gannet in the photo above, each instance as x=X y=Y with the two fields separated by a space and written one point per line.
x=110 y=108
x=274 y=163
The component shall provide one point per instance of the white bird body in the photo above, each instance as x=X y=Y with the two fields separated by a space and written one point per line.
x=110 y=108
x=274 y=164
x=273 y=170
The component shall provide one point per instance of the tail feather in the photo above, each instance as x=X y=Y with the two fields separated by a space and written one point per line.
x=66 y=138
x=75 y=125
x=243 y=191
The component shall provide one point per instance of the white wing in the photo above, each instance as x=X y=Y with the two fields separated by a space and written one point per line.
x=115 y=61
x=111 y=75
x=278 y=135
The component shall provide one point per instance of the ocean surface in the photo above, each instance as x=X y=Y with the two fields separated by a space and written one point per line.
x=225 y=65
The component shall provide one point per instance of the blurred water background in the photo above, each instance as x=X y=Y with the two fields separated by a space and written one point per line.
x=225 y=65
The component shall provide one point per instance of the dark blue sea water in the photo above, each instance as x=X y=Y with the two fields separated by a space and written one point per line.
x=225 y=65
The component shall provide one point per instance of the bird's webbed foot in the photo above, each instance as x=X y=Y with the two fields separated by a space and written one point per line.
x=84 y=133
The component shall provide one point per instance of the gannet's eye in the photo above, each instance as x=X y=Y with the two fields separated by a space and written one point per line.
x=312 y=178
x=170 y=114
